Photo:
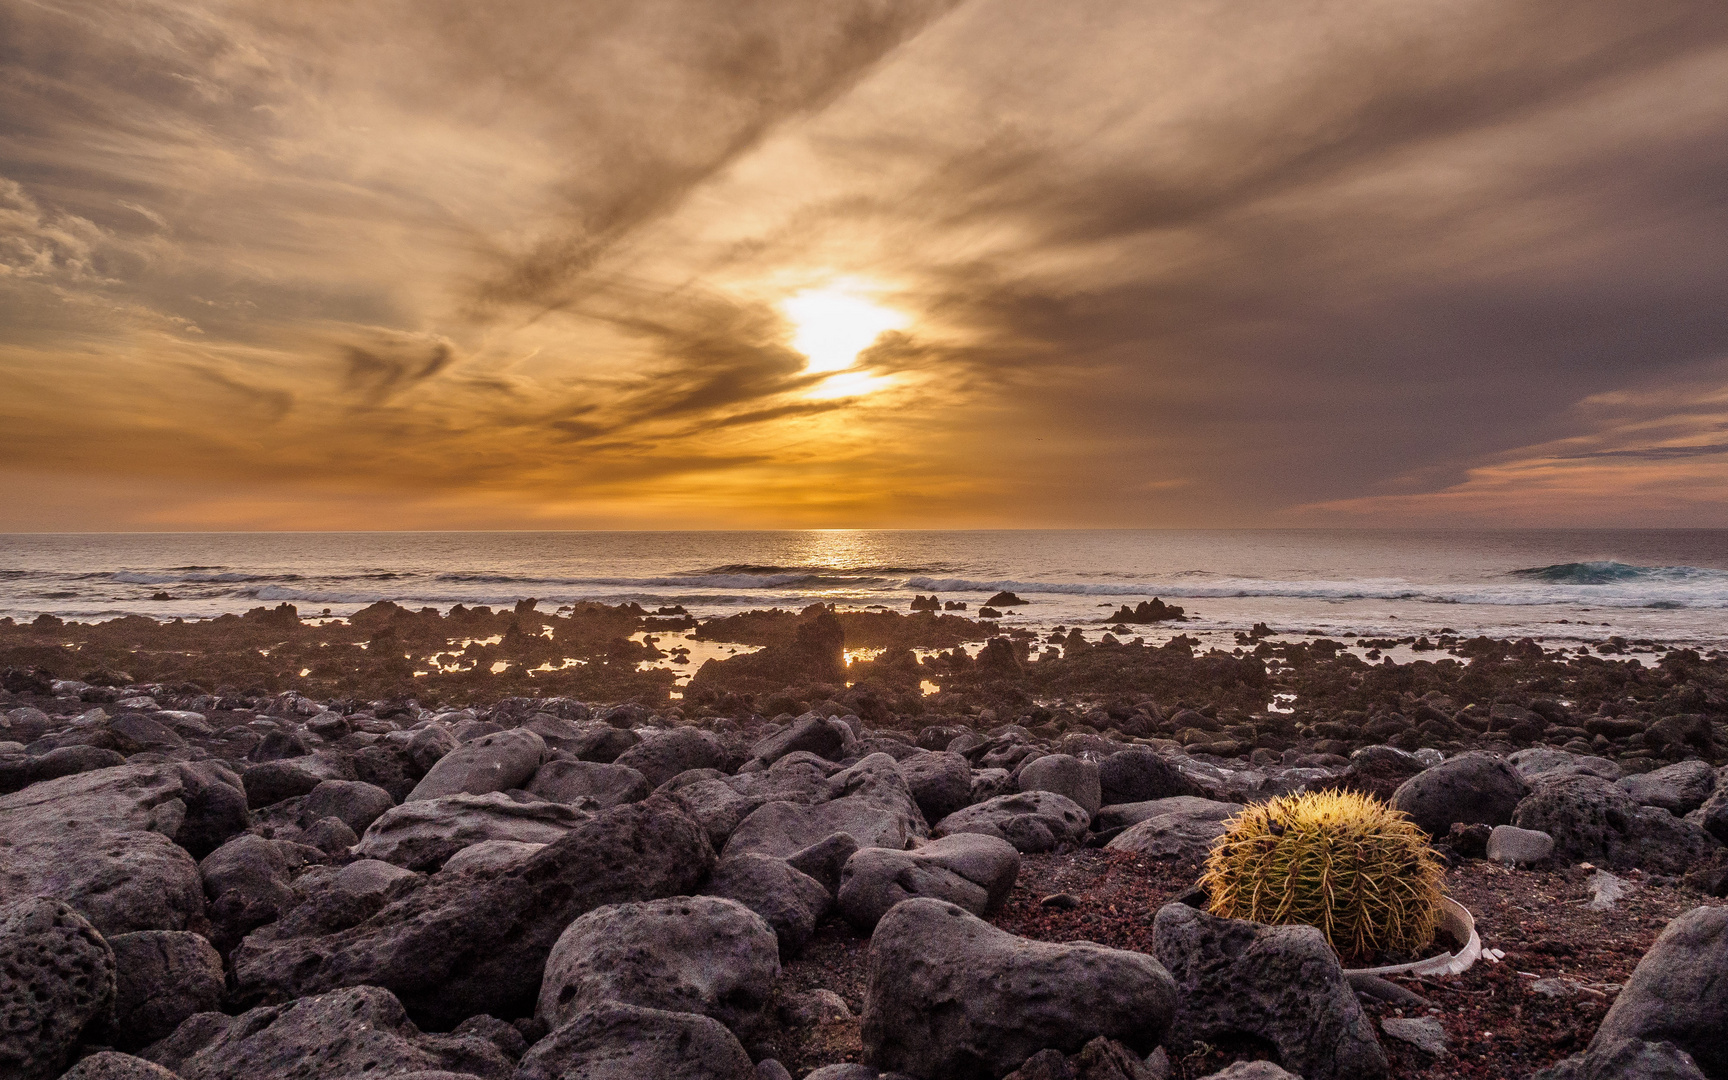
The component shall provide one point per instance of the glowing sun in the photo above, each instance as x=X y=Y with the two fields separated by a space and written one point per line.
x=834 y=324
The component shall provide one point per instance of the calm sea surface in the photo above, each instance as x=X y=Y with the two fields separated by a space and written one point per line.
x=1671 y=586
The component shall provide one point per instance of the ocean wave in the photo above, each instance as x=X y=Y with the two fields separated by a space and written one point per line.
x=811 y=571
x=191 y=577
x=1610 y=572
x=1708 y=590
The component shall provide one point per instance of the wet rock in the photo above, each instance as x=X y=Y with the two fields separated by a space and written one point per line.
x=970 y=870
x=692 y=954
x=1032 y=821
x=361 y=1030
x=1475 y=788
x=56 y=977
x=1592 y=819
x=626 y=1042
x=161 y=978
x=951 y=996
x=496 y=762
x=422 y=834
x=1064 y=775
x=940 y=782
x=790 y=901
x=574 y=781
x=664 y=754
x=457 y=946
x=1279 y=983
x=1139 y=775
x=1679 y=788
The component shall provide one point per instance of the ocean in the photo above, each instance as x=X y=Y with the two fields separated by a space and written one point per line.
x=1669 y=586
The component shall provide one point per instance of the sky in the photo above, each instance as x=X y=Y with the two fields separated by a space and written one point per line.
x=422 y=264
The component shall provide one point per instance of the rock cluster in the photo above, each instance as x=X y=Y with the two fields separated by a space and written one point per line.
x=278 y=887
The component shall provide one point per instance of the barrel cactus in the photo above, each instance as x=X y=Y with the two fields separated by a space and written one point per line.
x=1341 y=861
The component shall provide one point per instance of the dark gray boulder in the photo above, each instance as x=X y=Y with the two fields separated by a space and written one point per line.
x=664 y=754
x=811 y=733
x=1138 y=775
x=422 y=833
x=602 y=742
x=940 y=782
x=1065 y=775
x=1278 y=983
x=272 y=782
x=950 y=997
x=161 y=977
x=56 y=978
x=567 y=781
x=1679 y=788
x=113 y=842
x=825 y=859
x=1474 y=788
x=427 y=746
x=458 y=947
x=970 y=870
x=350 y=1032
x=1176 y=835
x=689 y=954
x=1593 y=819
x=496 y=762
x=355 y=803
x=1678 y=993
x=790 y=901
x=247 y=881
x=1111 y=821
x=627 y=1042
x=1032 y=821
x=1713 y=815
x=783 y=828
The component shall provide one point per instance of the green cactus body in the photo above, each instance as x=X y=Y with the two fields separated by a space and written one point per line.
x=1341 y=861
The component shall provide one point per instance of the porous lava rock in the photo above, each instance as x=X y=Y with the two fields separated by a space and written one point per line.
x=56 y=977
x=1279 y=983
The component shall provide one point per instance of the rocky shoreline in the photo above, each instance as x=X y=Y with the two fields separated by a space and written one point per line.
x=264 y=846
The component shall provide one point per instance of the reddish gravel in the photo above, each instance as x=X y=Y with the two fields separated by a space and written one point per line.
x=1497 y=1025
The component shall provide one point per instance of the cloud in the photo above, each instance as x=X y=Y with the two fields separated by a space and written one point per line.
x=1178 y=264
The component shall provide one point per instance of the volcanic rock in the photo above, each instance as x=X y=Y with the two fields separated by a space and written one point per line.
x=615 y=1041
x=695 y=954
x=1475 y=788
x=56 y=977
x=422 y=834
x=573 y=781
x=1032 y=821
x=971 y=870
x=789 y=900
x=1279 y=983
x=497 y=762
x=457 y=947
